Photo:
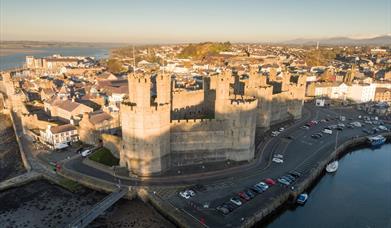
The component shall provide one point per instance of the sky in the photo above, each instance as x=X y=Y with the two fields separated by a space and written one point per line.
x=171 y=21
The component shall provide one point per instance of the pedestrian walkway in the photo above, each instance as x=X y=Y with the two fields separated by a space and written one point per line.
x=19 y=180
x=87 y=217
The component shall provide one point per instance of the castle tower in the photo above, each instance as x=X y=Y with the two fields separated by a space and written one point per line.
x=163 y=88
x=222 y=93
x=254 y=80
x=286 y=77
x=272 y=74
x=146 y=126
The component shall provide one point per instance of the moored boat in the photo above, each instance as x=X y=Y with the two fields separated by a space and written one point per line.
x=302 y=198
x=376 y=140
x=332 y=167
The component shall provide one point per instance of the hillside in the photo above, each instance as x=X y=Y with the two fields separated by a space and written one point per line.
x=379 y=40
x=198 y=51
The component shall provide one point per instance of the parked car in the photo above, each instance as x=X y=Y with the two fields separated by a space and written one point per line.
x=256 y=189
x=236 y=201
x=280 y=156
x=184 y=194
x=295 y=174
x=230 y=206
x=281 y=129
x=78 y=151
x=270 y=181
x=86 y=153
x=277 y=160
x=287 y=179
x=244 y=196
x=222 y=209
x=283 y=181
x=290 y=177
x=263 y=186
x=250 y=193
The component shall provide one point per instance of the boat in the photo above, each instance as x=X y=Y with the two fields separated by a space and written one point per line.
x=332 y=167
x=302 y=198
x=376 y=140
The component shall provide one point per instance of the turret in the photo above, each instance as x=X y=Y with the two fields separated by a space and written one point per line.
x=146 y=126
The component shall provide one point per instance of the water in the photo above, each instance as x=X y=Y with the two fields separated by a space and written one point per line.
x=357 y=195
x=18 y=59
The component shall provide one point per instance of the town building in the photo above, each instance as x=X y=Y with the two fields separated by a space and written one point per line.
x=58 y=137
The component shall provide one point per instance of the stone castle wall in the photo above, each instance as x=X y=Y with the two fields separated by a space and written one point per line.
x=113 y=143
x=188 y=104
x=146 y=138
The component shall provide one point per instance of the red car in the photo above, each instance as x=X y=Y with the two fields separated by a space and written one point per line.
x=244 y=196
x=270 y=181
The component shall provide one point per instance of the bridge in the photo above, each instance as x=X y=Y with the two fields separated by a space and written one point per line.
x=88 y=216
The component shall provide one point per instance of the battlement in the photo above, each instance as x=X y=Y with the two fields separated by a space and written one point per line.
x=182 y=91
x=244 y=102
x=198 y=125
x=140 y=77
x=129 y=107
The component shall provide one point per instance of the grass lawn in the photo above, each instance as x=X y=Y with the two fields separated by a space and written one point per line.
x=104 y=156
x=71 y=185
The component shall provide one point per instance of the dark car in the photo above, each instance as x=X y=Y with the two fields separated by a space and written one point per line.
x=287 y=179
x=244 y=196
x=295 y=174
x=223 y=210
x=230 y=206
x=256 y=189
x=292 y=178
x=366 y=131
x=78 y=151
x=250 y=193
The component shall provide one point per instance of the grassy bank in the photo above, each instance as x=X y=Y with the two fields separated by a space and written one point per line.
x=104 y=156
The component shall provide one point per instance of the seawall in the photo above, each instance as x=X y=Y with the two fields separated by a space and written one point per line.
x=304 y=184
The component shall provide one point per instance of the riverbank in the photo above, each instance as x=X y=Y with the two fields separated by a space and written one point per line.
x=12 y=51
x=44 y=204
x=10 y=160
x=285 y=201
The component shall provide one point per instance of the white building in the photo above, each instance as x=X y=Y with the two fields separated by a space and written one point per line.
x=332 y=91
x=59 y=137
x=361 y=93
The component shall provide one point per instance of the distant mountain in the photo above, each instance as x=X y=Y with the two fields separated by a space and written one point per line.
x=379 y=40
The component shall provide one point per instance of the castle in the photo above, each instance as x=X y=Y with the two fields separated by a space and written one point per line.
x=163 y=127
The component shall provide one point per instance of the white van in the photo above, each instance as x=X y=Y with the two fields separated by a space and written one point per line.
x=86 y=153
x=328 y=131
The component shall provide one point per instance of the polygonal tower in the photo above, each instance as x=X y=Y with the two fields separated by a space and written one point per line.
x=146 y=125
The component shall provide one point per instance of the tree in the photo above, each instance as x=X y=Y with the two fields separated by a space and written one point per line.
x=114 y=66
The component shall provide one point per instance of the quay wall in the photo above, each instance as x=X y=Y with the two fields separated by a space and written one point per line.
x=305 y=184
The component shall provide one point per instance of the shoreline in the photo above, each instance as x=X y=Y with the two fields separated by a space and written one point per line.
x=266 y=216
x=12 y=51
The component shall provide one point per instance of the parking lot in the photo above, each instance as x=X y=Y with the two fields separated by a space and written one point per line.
x=228 y=203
